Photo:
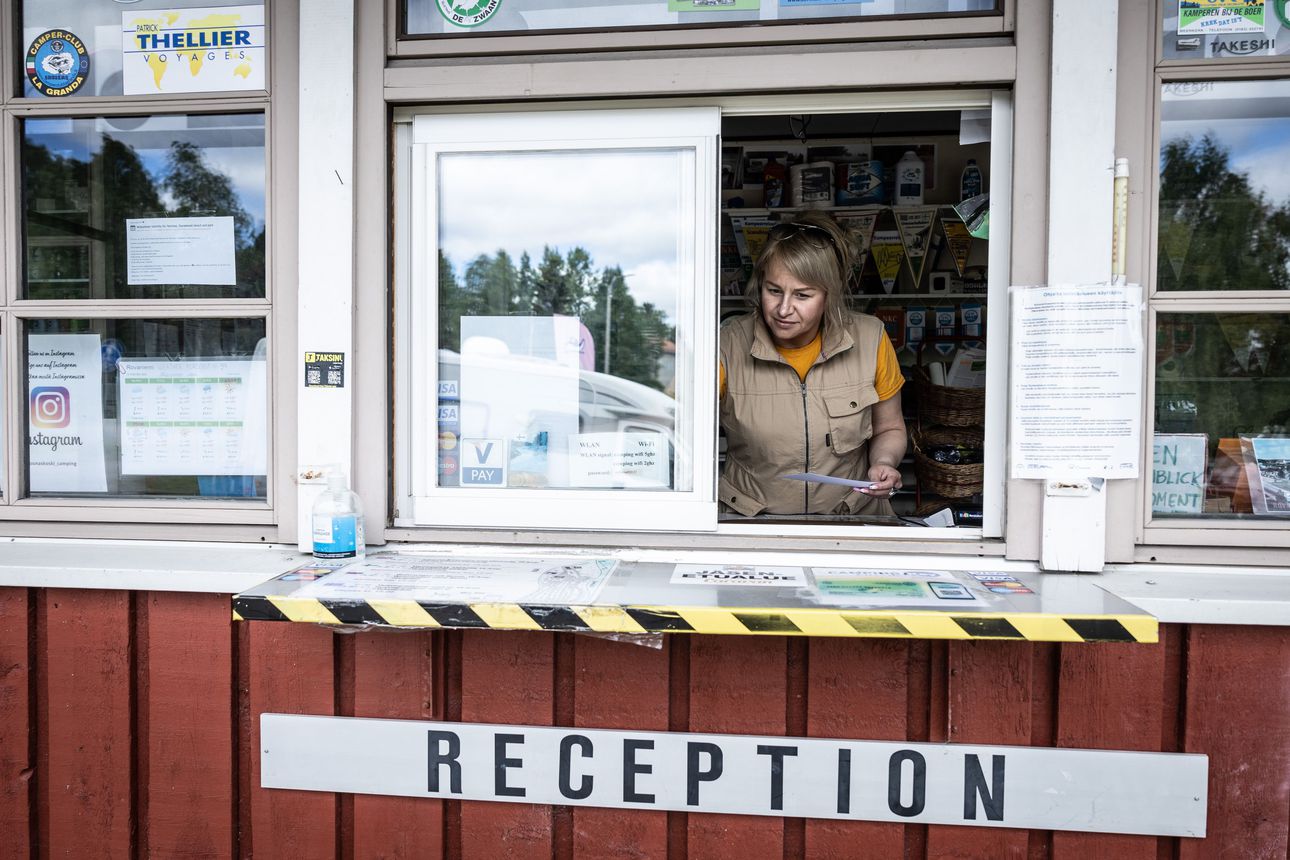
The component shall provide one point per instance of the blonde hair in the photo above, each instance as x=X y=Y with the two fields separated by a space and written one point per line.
x=817 y=253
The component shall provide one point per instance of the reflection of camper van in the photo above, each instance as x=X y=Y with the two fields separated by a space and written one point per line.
x=526 y=399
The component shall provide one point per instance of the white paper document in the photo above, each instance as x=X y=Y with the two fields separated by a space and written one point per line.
x=817 y=478
x=636 y=460
x=1076 y=392
x=180 y=251
x=193 y=417
x=739 y=575
x=549 y=581
x=65 y=414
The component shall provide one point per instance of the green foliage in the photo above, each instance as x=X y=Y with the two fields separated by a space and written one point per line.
x=1216 y=231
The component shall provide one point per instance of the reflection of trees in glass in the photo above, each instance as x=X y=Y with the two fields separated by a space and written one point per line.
x=1217 y=232
x=1220 y=374
x=567 y=285
x=67 y=197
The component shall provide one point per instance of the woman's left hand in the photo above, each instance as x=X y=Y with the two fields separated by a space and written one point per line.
x=886 y=481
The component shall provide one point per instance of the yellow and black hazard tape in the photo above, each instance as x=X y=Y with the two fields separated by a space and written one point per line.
x=1032 y=627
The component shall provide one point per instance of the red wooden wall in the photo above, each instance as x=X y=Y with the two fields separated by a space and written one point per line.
x=129 y=728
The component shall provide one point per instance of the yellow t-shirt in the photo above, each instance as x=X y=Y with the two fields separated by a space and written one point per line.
x=887 y=379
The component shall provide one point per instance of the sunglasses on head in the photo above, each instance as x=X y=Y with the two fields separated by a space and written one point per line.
x=785 y=230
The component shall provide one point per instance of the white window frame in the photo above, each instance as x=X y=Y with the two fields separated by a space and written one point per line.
x=406 y=515
x=1196 y=531
x=695 y=509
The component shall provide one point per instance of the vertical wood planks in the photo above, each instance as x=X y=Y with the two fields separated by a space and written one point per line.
x=1238 y=713
x=188 y=713
x=857 y=689
x=618 y=685
x=392 y=679
x=1111 y=698
x=989 y=702
x=16 y=766
x=85 y=745
x=737 y=686
x=506 y=677
x=290 y=671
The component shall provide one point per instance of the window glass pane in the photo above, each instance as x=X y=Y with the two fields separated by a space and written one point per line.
x=143 y=207
x=1225 y=29
x=73 y=48
x=558 y=314
x=1224 y=186
x=146 y=407
x=1222 y=444
x=488 y=17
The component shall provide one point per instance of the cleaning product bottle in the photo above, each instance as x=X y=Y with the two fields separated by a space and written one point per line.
x=338 y=520
x=970 y=185
x=909 y=180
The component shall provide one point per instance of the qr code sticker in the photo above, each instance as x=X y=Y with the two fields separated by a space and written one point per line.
x=313 y=376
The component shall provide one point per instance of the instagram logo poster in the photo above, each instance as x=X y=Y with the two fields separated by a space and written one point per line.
x=65 y=413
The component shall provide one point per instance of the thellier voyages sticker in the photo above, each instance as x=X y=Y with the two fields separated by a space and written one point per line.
x=57 y=63
x=468 y=13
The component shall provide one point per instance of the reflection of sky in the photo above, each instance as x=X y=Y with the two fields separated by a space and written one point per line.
x=237 y=151
x=524 y=201
x=1239 y=120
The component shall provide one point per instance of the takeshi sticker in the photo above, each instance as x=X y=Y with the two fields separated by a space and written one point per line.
x=57 y=63
x=465 y=13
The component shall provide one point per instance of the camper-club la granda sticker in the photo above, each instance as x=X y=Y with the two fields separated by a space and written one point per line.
x=57 y=63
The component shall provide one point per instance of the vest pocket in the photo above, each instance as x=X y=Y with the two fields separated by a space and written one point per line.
x=738 y=490
x=850 y=419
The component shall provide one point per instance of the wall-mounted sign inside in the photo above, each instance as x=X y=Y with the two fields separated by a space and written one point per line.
x=985 y=786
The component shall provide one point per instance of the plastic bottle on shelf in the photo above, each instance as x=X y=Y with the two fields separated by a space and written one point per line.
x=971 y=183
x=338 y=520
x=909 y=180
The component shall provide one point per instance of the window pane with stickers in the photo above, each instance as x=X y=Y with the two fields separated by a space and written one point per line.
x=465 y=18
x=1221 y=447
x=146 y=407
x=71 y=48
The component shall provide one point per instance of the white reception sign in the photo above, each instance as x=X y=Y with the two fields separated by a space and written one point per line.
x=65 y=414
x=1076 y=381
x=180 y=251
x=915 y=783
x=204 y=50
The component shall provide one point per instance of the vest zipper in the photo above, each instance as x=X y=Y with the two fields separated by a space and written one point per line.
x=806 y=426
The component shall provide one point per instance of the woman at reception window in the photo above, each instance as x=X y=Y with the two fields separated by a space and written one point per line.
x=808 y=386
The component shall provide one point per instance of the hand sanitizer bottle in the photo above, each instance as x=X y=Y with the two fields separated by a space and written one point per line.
x=338 y=520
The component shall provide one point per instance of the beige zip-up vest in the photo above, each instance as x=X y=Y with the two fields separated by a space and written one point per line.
x=776 y=424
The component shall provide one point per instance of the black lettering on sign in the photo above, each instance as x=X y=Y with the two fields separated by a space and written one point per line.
x=974 y=785
x=776 y=771
x=693 y=775
x=501 y=763
x=631 y=768
x=844 y=782
x=895 y=769
x=567 y=743
x=437 y=759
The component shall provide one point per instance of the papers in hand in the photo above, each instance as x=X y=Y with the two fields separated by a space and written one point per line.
x=829 y=479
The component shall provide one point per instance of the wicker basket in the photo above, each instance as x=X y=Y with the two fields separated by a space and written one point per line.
x=950 y=480
x=941 y=404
